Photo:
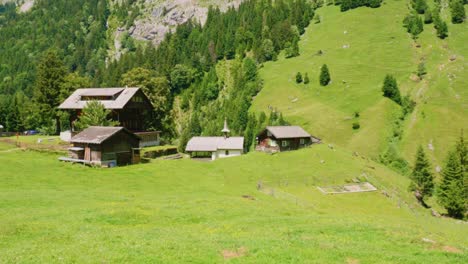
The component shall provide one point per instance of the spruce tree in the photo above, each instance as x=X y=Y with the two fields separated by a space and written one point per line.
x=458 y=11
x=306 y=78
x=419 y=5
x=451 y=192
x=390 y=89
x=298 y=77
x=422 y=178
x=428 y=17
x=324 y=75
x=49 y=81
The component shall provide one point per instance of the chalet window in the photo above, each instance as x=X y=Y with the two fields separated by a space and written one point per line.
x=284 y=143
x=302 y=141
x=226 y=153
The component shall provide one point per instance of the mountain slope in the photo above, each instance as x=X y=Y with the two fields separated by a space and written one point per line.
x=360 y=47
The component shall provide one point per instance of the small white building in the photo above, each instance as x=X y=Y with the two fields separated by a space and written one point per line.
x=216 y=147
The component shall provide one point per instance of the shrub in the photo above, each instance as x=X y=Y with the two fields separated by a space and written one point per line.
x=356 y=125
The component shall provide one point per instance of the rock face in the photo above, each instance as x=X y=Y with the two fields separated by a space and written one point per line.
x=160 y=17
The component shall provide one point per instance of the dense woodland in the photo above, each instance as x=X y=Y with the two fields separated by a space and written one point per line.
x=69 y=50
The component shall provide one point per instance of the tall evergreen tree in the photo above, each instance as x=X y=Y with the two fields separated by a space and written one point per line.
x=49 y=81
x=451 y=192
x=306 y=78
x=390 y=89
x=324 y=75
x=298 y=77
x=458 y=11
x=422 y=178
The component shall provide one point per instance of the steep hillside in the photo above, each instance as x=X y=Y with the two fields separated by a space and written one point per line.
x=360 y=47
x=188 y=211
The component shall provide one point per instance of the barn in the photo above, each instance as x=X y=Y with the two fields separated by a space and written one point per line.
x=104 y=146
x=284 y=138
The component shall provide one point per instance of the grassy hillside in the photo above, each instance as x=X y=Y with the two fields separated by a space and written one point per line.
x=187 y=211
x=360 y=47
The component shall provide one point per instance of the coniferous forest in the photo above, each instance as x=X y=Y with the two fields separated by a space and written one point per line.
x=210 y=70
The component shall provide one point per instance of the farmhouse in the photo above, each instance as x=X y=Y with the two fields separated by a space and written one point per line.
x=284 y=138
x=129 y=106
x=216 y=147
x=104 y=146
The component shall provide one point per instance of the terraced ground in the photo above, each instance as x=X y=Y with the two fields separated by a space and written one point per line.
x=360 y=47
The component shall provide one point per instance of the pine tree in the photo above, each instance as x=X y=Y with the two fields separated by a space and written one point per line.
x=298 y=77
x=451 y=192
x=428 y=17
x=421 y=176
x=49 y=80
x=390 y=89
x=421 y=70
x=324 y=75
x=419 y=5
x=306 y=78
x=462 y=150
x=458 y=11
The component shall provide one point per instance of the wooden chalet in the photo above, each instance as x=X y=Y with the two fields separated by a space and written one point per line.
x=284 y=138
x=129 y=106
x=104 y=146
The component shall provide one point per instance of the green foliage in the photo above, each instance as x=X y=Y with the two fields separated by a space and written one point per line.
x=356 y=125
x=407 y=105
x=421 y=70
x=390 y=89
x=439 y=25
x=428 y=16
x=458 y=11
x=420 y=6
x=346 y=5
x=324 y=75
x=452 y=190
x=413 y=24
x=157 y=89
x=421 y=176
x=94 y=114
x=306 y=78
x=49 y=81
x=181 y=77
x=298 y=77
x=393 y=159
x=293 y=49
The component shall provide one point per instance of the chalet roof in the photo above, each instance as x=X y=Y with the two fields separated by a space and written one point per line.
x=214 y=143
x=97 y=134
x=288 y=132
x=120 y=97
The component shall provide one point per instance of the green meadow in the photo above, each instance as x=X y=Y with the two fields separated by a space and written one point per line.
x=188 y=211
x=360 y=47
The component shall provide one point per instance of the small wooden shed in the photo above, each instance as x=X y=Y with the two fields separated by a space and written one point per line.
x=105 y=146
x=284 y=138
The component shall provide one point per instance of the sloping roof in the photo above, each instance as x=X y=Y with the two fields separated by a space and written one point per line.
x=97 y=134
x=288 y=132
x=214 y=143
x=121 y=97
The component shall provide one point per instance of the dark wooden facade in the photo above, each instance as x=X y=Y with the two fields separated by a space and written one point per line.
x=269 y=143
x=132 y=116
x=120 y=149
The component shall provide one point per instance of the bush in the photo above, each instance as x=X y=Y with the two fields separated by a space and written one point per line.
x=356 y=125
